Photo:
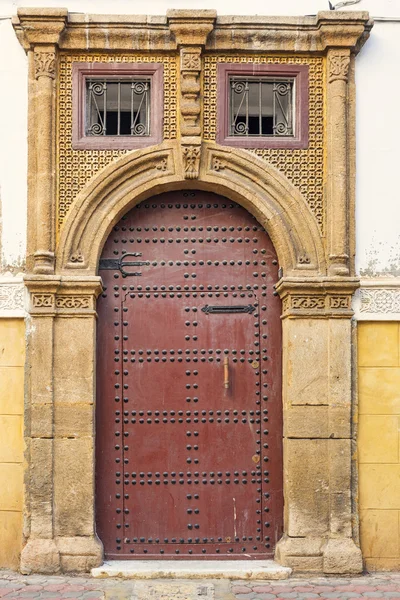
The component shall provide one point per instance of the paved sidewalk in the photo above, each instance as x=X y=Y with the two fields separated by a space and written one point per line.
x=378 y=585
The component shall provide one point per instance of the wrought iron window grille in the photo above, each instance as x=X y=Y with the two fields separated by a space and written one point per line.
x=261 y=107
x=118 y=107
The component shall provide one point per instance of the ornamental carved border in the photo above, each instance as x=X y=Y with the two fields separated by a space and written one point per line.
x=58 y=302
x=304 y=168
x=76 y=167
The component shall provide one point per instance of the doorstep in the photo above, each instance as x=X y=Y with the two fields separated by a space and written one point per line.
x=192 y=569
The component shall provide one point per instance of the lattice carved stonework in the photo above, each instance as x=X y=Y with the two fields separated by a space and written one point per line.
x=77 y=167
x=304 y=168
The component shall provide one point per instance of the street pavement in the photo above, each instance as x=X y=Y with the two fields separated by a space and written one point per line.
x=51 y=587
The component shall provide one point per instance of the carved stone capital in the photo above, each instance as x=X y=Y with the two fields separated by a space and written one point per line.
x=56 y=295
x=338 y=65
x=316 y=298
x=45 y=64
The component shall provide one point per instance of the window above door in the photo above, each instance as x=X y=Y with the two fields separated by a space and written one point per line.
x=117 y=106
x=262 y=106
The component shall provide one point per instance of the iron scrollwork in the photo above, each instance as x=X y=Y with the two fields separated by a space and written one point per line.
x=118 y=101
x=261 y=107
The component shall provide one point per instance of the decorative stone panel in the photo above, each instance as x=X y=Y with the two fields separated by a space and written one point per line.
x=378 y=299
x=304 y=168
x=77 y=167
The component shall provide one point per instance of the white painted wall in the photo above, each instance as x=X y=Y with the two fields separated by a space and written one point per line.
x=378 y=118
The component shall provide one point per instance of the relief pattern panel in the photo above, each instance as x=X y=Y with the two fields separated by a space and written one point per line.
x=76 y=167
x=304 y=168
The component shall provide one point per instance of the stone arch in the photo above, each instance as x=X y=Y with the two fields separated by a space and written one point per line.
x=236 y=174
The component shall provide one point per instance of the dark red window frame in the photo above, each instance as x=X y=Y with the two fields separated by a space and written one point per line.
x=298 y=72
x=82 y=70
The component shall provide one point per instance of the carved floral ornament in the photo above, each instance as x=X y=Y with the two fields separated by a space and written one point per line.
x=338 y=67
x=45 y=64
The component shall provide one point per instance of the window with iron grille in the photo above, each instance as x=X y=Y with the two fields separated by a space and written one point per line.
x=262 y=105
x=117 y=105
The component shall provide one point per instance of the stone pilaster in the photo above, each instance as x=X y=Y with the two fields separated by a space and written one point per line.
x=191 y=29
x=317 y=426
x=59 y=484
x=337 y=201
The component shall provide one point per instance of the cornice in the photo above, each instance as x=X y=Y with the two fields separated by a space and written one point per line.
x=332 y=29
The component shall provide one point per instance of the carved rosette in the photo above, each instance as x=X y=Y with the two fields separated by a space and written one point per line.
x=190 y=91
x=338 y=66
x=45 y=64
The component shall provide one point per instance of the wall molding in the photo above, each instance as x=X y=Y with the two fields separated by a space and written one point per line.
x=12 y=296
x=378 y=299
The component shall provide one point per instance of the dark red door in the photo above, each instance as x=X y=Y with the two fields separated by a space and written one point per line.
x=189 y=425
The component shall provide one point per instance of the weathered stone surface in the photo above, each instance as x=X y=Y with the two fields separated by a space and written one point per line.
x=40 y=486
x=73 y=487
x=342 y=556
x=79 y=554
x=307 y=362
x=307 y=485
x=73 y=420
x=74 y=371
x=40 y=556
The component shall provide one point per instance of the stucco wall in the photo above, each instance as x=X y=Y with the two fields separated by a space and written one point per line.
x=12 y=356
x=378 y=444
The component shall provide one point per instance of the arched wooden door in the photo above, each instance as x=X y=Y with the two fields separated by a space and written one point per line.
x=189 y=416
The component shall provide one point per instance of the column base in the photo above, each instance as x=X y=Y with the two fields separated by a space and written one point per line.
x=79 y=554
x=333 y=556
x=341 y=555
x=40 y=556
x=300 y=554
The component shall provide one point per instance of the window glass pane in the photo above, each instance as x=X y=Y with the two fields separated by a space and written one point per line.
x=261 y=106
x=118 y=107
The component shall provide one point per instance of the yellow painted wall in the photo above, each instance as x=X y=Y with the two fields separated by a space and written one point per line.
x=378 y=443
x=12 y=356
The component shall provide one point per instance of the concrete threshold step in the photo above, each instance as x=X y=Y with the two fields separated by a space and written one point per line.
x=192 y=569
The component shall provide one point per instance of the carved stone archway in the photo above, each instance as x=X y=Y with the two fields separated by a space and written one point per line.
x=236 y=174
x=317 y=340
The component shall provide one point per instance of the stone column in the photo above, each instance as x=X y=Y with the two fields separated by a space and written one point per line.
x=59 y=483
x=40 y=30
x=338 y=62
x=317 y=427
x=45 y=71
